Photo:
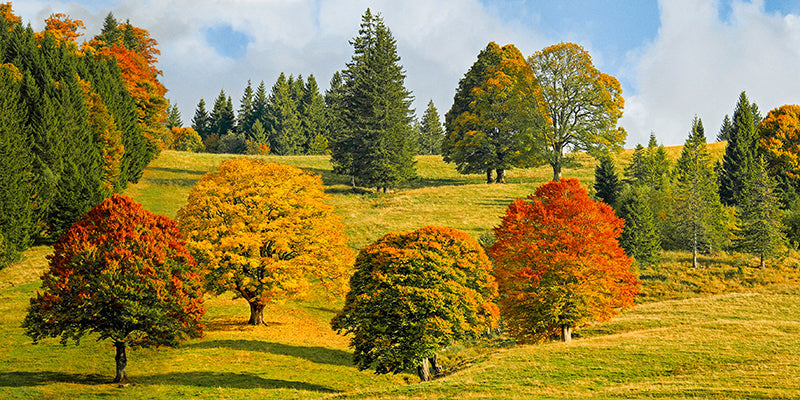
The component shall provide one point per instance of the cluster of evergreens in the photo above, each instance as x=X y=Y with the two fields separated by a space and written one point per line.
x=77 y=124
x=700 y=206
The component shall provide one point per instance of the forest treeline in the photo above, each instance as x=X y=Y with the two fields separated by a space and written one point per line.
x=79 y=123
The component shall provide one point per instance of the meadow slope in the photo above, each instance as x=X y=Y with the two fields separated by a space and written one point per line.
x=726 y=331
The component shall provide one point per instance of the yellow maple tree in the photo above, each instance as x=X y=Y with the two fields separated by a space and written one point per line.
x=265 y=232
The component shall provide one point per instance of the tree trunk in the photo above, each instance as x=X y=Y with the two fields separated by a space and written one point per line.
x=762 y=261
x=437 y=369
x=501 y=176
x=122 y=362
x=424 y=370
x=489 y=176
x=556 y=172
x=566 y=333
x=694 y=257
x=256 y=314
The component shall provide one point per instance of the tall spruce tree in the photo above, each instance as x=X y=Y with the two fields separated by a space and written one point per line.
x=740 y=153
x=222 y=120
x=377 y=116
x=698 y=209
x=431 y=132
x=246 y=115
x=200 y=121
x=174 y=117
x=725 y=130
x=759 y=228
x=606 y=182
x=284 y=125
x=312 y=110
x=640 y=237
x=334 y=125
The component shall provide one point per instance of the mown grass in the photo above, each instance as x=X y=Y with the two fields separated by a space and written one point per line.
x=725 y=330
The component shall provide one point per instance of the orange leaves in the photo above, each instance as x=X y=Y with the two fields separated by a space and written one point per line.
x=8 y=14
x=558 y=262
x=779 y=141
x=63 y=28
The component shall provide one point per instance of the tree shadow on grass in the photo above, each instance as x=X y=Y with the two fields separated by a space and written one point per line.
x=319 y=355
x=177 y=171
x=26 y=378
x=226 y=380
x=186 y=182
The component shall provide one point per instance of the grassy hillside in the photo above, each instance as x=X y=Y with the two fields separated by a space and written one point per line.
x=727 y=331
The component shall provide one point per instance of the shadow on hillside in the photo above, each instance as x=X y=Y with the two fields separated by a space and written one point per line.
x=319 y=355
x=172 y=181
x=177 y=171
x=24 y=378
x=226 y=380
x=496 y=202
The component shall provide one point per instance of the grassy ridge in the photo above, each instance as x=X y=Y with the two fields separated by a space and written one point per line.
x=740 y=341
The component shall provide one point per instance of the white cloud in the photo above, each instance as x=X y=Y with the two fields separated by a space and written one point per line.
x=699 y=64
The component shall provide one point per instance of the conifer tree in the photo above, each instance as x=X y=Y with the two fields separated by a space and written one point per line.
x=740 y=153
x=759 y=231
x=431 y=133
x=312 y=110
x=246 y=115
x=260 y=104
x=698 y=210
x=606 y=182
x=640 y=237
x=222 y=120
x=377 y=117
x=725 y=130
x=200 y=122
x=284 y=125
x=334 y=117
x=174 y=117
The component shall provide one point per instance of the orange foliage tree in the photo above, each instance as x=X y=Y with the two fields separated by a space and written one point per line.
x=186 y=139
x=64 y=29
x=558 y=263
x=263 y=231
x=415 y=293
x=123 y=274
x=779 y=141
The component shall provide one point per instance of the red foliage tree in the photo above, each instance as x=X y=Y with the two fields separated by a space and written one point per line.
x=124 y=274
x=558 y=263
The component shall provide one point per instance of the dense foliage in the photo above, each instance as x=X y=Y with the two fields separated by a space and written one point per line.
x=264 y=232
x=79 y=123
x=123 y=274
x=414 y=294
x=558 y=263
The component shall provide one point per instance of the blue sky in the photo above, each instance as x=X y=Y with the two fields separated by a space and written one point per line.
x=675 y=58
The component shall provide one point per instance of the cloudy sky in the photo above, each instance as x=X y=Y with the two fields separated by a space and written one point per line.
x=675 y=58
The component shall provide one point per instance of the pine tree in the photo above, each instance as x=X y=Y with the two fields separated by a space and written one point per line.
x=640 y=237
x=725 y=130
x=334 y=117
x=649 y=166
x=284 y=126
x=222 y=120
x=312 y=109
x=698 y=210
x=759 y=231
x=246 y=116
x=606 y=182
x=200 y=122
x=110 y=34
x=377 y=114
x=431 y=132
x=174 y=117
x=740 y=153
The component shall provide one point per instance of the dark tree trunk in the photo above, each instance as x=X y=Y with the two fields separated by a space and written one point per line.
x=437 y=369
x=122 y=362
x=762 y=261
x=501 y=176
x=256 y=314
x=556 y=172
x=424 y=370
x=489 y=176
x=566 y=333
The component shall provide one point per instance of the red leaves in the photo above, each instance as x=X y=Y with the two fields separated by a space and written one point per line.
x=558 y=261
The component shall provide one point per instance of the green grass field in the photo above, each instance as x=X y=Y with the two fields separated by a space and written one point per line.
x=723 y=331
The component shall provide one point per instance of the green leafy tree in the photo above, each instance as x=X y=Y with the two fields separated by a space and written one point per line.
x=431 y=132
x=376 y=141
x=493 y=104
x=413 y=294
x=581 y=104
x=698 y=211
x=640 y=237
x=759 y=231
x=740 y=153
x=120 y=273
x=606 y=182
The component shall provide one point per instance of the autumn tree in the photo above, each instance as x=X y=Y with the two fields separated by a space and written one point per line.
x=120 y=273
x=740 y=153
x=186 y=139
x=376 y=146
x=494 y=103
x=264 y=232
x=558 y=263
x=413 y=294
x=698 y=211
x=581 y=105
x=778 y=144
x=759 y=229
